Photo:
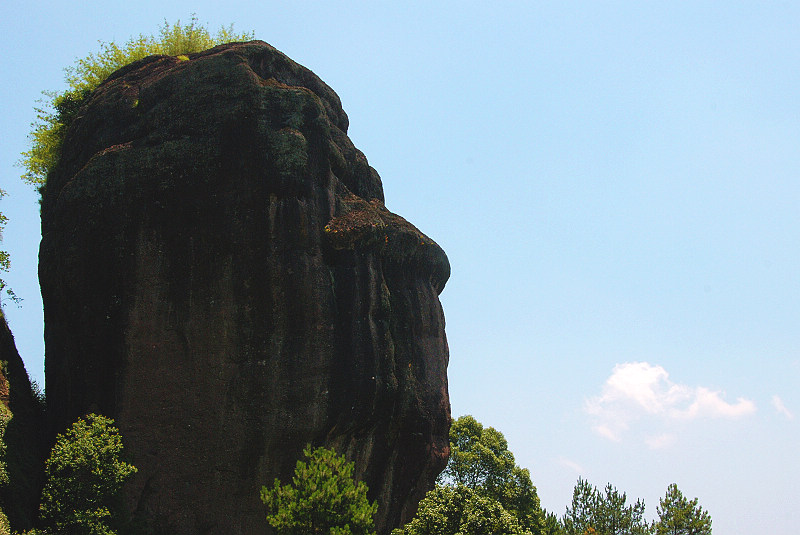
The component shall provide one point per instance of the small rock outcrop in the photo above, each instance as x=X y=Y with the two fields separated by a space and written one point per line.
x=221 y=276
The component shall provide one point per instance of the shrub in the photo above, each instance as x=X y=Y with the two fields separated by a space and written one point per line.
x=59 y=109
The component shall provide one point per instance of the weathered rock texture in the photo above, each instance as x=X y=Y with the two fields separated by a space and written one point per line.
x=23 y=437
x=220 y=274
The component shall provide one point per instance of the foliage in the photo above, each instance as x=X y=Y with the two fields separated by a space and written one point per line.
x=552 y=525
x=5 y=260
x=480 y=460
x=5 y=416
x=460 y=510
x=84 y=475
x=680 y=516
x=323 y=498
x=603 y=512
x=59 y=109
x=580 y=516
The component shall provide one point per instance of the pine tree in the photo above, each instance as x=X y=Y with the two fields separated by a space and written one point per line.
x=680 y=516
x=323 y=498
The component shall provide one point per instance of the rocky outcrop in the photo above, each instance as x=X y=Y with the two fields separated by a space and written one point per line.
x=25 y=451
x=221 y=276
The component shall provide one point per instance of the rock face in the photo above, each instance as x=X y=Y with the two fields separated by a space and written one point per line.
x=25 y=449
x=220 y=275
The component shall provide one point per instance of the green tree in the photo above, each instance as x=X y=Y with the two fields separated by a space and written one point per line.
x=323 y=498
x=603 y=512
x=460 y=510
x=680 y=516
x=580 y=515
x=552 y=525
x=59 y=109
x=480 y=460
x=84 y=475
x=617 y=518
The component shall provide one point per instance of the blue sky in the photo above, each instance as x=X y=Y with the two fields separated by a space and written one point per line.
x=615 y=184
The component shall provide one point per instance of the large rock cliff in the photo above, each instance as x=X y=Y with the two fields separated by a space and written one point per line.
x=220 y=275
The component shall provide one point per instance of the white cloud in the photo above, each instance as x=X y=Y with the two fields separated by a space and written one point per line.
x=777 y=402
x=608 y=432
x=708 y=403
x=661 y=441
x=572 y=465
x=638 y=391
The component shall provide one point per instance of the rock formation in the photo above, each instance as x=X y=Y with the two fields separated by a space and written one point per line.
x=220 y=275
x=25 y=449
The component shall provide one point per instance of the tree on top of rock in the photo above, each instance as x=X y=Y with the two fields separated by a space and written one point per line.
x=59 y=109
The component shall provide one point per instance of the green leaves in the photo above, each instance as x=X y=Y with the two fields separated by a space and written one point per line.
x=59 y=109
x=459 y=510
x=680 y=516
x=323 y=498
x=604 y=512
x=481 y=491
x=480 y=460
x=5 y=417
x=84 y=476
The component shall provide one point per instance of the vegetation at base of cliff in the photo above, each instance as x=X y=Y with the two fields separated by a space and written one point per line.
x=84 y=475
x=480 y=460
x=482 y=492
x=5 y=416
x=58 y=110
x=322 y=498
x=448 y=510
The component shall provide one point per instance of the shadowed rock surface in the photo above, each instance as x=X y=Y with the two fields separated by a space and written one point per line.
x=220 y=275
x=25 y=450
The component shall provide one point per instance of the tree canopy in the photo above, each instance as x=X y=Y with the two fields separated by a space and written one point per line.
x=460 y=510
x=678 y=515
x=480 y=460
x=481 y=490
x=323 y=498
x=84 y=475
x=603 y=512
